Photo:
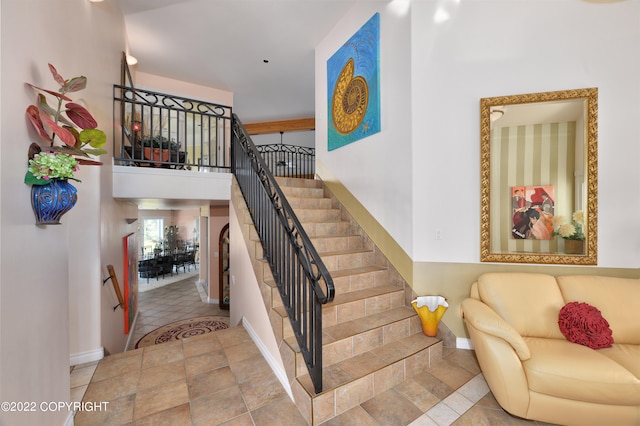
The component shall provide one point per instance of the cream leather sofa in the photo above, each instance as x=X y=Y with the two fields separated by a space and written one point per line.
x=533 y=371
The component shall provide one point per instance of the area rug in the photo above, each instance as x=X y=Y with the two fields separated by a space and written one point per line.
x=183 y=329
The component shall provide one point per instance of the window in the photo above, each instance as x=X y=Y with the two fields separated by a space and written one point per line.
x=152 y=234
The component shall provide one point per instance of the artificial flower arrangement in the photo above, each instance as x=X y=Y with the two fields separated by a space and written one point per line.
x=572 y=230
x=61 y=124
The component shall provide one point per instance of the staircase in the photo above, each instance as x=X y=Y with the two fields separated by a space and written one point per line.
x=372 y=338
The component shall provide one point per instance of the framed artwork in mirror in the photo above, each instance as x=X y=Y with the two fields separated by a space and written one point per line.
x=539 y=177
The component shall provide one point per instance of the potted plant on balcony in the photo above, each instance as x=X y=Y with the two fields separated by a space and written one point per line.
x=71 y=138
x=159 y=148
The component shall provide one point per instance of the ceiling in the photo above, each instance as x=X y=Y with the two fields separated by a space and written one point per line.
x=181 y=204
x=224 y=44
x=538 y=112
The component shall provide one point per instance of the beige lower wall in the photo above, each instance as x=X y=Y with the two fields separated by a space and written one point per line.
x=453 y=281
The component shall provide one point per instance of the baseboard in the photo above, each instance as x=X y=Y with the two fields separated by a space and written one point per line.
x=201 y=285
x=88 y=356
x=463 y=343
x=278 y=371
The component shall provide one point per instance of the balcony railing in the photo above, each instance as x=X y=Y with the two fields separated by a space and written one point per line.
x=170 y=131
x=160 y=130
x=289 y=160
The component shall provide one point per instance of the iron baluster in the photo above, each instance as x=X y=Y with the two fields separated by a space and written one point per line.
x=301 y=277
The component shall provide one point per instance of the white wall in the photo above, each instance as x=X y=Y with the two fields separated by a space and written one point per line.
x=376 y=169
x=422 y=172
x=44 y=269
x=494 y=48
x=152 y=183
x=161 y=84
x=85 y=276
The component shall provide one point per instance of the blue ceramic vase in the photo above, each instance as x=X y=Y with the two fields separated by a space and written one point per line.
x=52 y=200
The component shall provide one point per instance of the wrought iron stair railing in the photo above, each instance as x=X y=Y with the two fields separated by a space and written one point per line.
x=300 y=275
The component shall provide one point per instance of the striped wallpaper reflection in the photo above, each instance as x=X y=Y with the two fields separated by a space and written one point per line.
x=531 y=155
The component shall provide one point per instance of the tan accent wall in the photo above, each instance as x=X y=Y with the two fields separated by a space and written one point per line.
x=453 y=281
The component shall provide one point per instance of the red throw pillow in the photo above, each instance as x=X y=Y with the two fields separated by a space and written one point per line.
x=583 y=324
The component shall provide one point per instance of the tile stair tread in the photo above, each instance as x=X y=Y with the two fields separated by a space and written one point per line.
x=345 y=372
x=299 y=186
x=350 y=329
x=330 y=236
x=299 y=203
x=311 y=209
x=330 y=229
x=338 y=252
x=371 y=321
x=367 y=323
x=302 y=197
x=354 y=241
x=356 y=271
x=299 y=197
x=302 y=192
x=352 y=296
x=300 y=213
x=346 y=272
x=299 y=182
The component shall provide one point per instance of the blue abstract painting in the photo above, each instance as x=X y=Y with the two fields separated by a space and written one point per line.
x=353 y=86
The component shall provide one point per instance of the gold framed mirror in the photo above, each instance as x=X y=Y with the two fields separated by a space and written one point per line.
x=539 y=178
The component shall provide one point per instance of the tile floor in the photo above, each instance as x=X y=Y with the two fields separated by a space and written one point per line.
x=175 y=301
x=221 y=378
